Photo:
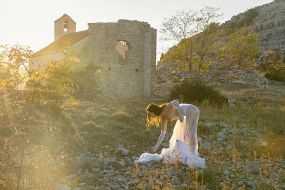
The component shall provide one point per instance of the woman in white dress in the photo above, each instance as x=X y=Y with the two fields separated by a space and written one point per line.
x=183 y=145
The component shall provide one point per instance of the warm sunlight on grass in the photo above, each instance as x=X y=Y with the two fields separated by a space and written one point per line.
x=250 y=146
x=271 y=144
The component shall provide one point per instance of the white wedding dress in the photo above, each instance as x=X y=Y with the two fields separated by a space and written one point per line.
x=183 y=145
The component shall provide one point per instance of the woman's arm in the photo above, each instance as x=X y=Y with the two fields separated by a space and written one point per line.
x=162 y=134
x=176 y=103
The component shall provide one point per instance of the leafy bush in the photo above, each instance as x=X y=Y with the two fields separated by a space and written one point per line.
x=85 y=79
x=276 y=73
x=54 y=84
x=241 y=48
x=13 y=65
x=196 y=91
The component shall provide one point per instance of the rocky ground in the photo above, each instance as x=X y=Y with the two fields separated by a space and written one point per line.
x=238 y=156
x=243 y=145
x=217 y=78
x=230 y=165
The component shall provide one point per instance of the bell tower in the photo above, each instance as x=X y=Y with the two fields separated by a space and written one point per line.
x=63 y=25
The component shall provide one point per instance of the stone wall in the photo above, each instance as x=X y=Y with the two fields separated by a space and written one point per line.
x=132 y=76
x=167 y=81
x=217 y=76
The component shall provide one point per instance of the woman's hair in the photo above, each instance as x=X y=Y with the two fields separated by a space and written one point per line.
x=156 y=110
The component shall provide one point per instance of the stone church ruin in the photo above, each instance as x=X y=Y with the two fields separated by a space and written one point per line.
x=125 y=52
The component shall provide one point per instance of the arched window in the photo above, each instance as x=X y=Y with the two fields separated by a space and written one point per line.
x=122 y=47
x=66 y=25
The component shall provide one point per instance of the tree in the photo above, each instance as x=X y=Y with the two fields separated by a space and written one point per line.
x=14 y=65
x=47 y=87
x=204 y=44
x=185 y=24
x=85 y=78
x=241 y=47
x=53 y=82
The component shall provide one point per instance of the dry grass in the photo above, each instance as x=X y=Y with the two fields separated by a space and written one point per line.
x=120 y=116
x=98 y=128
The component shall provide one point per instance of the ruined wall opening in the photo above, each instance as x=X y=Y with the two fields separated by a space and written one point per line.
x=66 y=25
x=122 y=48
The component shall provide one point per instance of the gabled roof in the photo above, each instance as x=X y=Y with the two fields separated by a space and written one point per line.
x=64 y=15
x=67 y=40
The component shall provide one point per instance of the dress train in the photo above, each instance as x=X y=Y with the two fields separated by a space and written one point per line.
x=183 y=144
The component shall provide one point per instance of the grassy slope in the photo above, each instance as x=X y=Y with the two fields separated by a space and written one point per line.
x=251 y=134
x=243 y=147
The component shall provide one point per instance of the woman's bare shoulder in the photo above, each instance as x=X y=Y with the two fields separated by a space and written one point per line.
x=169 y=107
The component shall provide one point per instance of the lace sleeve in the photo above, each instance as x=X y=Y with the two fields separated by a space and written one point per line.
x=179 y=109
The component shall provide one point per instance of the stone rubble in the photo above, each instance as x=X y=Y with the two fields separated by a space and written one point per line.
x=236 y=170
x=167 y=80
x=273 y=55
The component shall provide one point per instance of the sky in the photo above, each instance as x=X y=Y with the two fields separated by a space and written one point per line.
x=30 y=22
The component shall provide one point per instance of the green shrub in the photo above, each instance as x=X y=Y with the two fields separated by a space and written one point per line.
x=276 y=73
x=85 y=78
x=197 y=92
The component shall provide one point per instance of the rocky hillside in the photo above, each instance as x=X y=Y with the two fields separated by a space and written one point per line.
x=268 y=20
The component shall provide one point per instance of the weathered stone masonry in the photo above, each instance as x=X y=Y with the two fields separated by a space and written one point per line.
x=132 y=76
x=125 y=52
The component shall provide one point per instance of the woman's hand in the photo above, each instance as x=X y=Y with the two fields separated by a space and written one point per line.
x=160 y=138
x=154 y=148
